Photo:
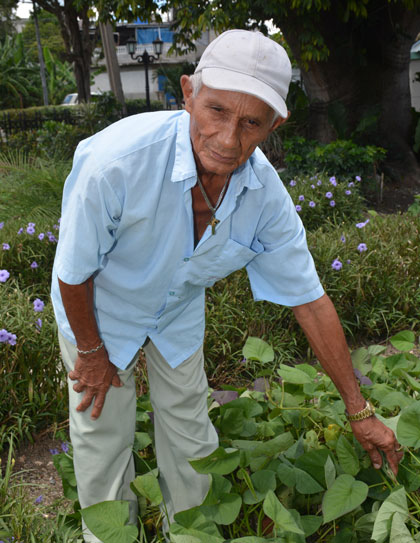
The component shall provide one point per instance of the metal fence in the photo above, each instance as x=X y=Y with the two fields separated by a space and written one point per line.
x=22 y=121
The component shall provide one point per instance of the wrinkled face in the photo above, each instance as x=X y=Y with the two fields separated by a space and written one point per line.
x=226 y=127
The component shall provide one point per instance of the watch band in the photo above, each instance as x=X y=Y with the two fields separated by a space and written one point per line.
x=366 y=412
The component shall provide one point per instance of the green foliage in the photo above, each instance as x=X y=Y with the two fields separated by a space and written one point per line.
x=49 y=29
x=414 y=209
x=341 y=158
x=173 y=75
x=275 y=477
x=19 y=82
x=60 y=77
x=324 y=201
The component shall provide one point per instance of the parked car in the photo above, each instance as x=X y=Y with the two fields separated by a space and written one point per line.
x=72 y=99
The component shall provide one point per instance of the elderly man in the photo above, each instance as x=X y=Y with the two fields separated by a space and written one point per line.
x=156 y=208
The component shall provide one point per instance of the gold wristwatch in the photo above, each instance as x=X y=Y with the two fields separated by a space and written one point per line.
x=365 y=413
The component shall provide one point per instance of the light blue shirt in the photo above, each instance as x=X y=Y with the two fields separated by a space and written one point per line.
x=127 y=219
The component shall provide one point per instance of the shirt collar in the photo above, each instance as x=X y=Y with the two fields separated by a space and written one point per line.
x=185 y=167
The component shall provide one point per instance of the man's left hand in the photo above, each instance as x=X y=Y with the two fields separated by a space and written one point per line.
x=374 y=436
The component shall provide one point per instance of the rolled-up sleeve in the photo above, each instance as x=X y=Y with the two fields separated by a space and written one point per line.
x=284 y=272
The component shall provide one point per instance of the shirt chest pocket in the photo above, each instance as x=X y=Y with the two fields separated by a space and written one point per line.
x=216 y=262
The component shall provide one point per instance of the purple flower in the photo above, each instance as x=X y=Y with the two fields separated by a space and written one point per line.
x=328 y=194
x=343 y=239
x=38 y=324
x=59 y=220
x=1 y=225
x=261 y=384
x=41 y=236
x=39 y=499
x=65 y=447
x=31 y=224
x=363 y=380
x=52 y=238
x=333 y=181
x=312 y=186
x=319 y=183
x=351 y=184
x=54 y=451
x=336 y=264
x=4 y=336
x=38 y=305
x=358 y=178
x=30 y=230
x=12 y=339
x=332 y=203
x=292 y=183
x=56 y=227
x=224 y=396
x=348 y=192
x=298 y=208
x=301 y=198
x=312 y=203
x=6 y=246
x=20 y=231
x=34 y=265
x=362 y=247
x=4 y=276
x=362 y=224
x=348 y=261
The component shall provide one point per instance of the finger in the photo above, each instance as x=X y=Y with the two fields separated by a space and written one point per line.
x=73 y=375
x=116 y=381
x=79 y=387
x=87 y=400
x=393 y=460
x=375 y=458
x=98 y=405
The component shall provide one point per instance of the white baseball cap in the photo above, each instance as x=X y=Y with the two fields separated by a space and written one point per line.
x=249 y=62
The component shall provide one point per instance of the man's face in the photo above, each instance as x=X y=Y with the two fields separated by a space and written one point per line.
x=226 y=127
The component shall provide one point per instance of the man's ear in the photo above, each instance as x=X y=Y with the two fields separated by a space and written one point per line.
x=187 y=91
x=279 y=121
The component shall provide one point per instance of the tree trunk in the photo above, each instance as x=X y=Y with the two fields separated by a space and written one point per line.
x=74 y=26
x=368 y=66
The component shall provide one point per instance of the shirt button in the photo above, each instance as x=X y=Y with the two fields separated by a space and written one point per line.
x=186 y=259
x=171 y=293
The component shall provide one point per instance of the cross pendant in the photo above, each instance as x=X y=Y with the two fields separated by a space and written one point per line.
x=213 y=223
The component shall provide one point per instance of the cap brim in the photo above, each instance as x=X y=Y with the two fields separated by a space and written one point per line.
x=222 y=79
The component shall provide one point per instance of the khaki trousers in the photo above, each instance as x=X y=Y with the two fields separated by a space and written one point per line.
x=103 y=460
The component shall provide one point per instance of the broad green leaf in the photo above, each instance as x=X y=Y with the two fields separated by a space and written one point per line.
x=279 y=514
x=274 y=446
x=330 y=472
x=396 y=502
x=344 y=495
x=361 y=360
x=313 y=462
x=375 y=350
x=192 y=526
x=257 y=349
x=310 y=524
x=391 y=422
x=64 y=465
x=251 y=408
x=396 y=399
x=262 y=481
x=286 y=474
x=141 y=441
x=305 y=484
x=225 y=511
x=219 y=486
x=148 y=486
x=294 y=375
x=403 y=341
x=108 y=522
x=347 y=457
x=414 y=383
x=221 y=461
x=399 y=531
x=408 y=427
x=364 y=524
x=232 y=422
x=309 y=370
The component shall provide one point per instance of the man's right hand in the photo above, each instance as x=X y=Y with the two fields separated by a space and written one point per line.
x=95 y=374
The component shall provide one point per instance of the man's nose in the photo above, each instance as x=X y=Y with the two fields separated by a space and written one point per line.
x=229 y=136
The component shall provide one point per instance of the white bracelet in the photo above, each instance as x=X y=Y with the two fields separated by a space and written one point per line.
x=92 y=350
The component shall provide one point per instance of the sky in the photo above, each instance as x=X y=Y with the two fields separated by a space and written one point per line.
x=24 y=9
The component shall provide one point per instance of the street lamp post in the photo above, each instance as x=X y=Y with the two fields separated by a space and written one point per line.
x=145 y=59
